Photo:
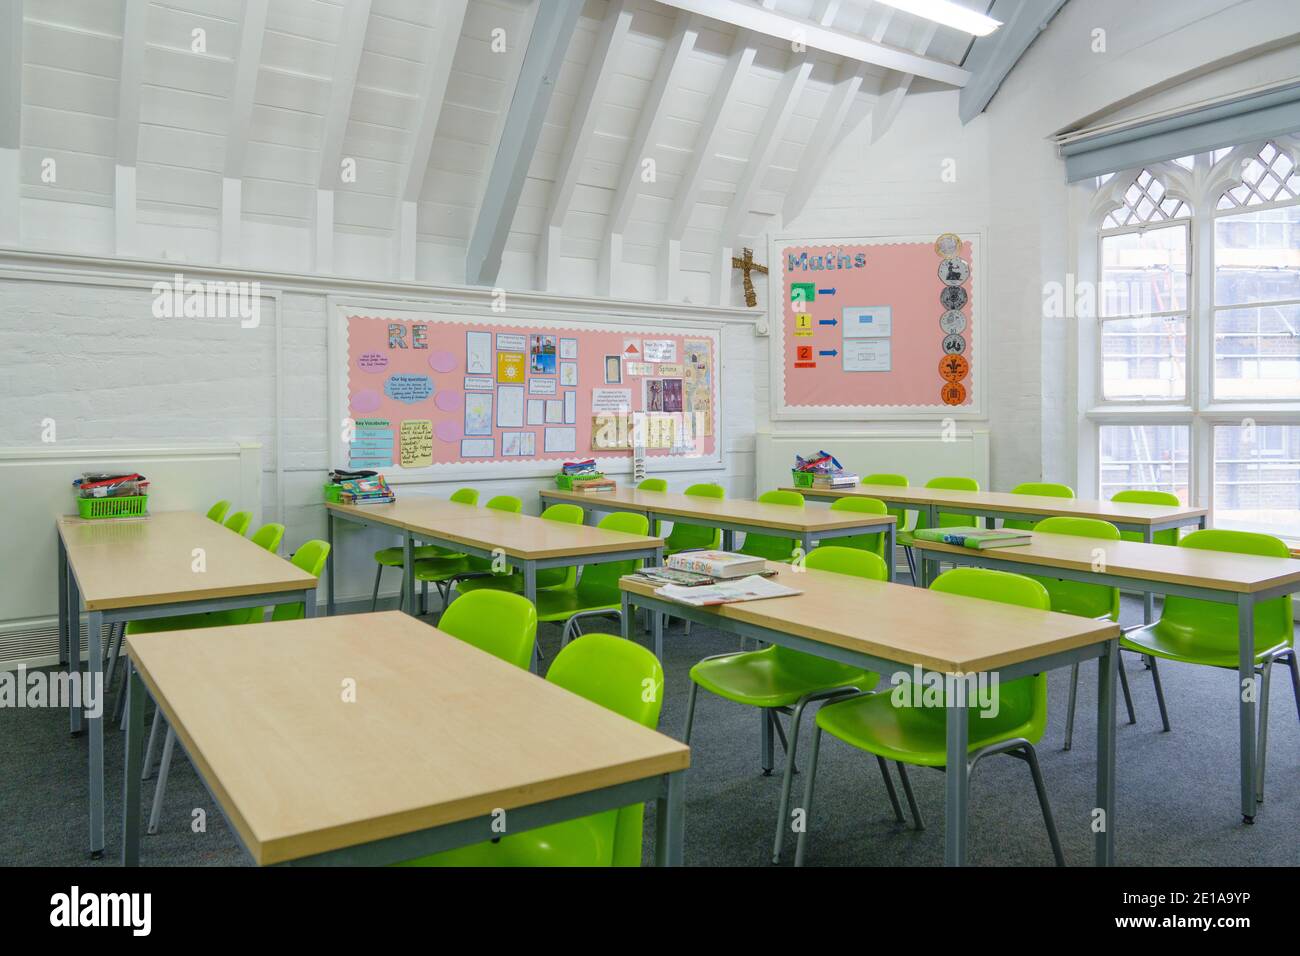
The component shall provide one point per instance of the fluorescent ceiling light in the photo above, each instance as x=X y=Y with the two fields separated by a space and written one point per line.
x=948 y=14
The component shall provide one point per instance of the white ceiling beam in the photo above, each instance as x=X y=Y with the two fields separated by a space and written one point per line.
x=895 y=90
x=248 y=60
x=343 y=82
x=822 y=37
x=135 y=15
x=11 y=117
x=449 y=20
x=552 y=31
x=992 y=57
x=600 y=70
x=686 y=31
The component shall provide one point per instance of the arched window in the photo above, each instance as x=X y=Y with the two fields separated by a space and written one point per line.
x=1269 y=176
x=1145 y=201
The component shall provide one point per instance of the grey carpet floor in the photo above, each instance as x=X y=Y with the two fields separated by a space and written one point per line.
x=1177 y=796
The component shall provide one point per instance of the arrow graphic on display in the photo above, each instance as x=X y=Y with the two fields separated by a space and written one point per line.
x=827 y=322
x=830 y=352
x=825 y=291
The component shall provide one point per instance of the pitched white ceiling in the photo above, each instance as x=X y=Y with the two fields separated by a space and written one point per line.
x=284 y=95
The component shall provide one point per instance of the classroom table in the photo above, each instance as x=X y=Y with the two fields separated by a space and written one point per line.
x=887 y=627
x=735 y=514
x=440 y=739
x=1225 y=577
x=1125 y=515
x=533 y=544
x=159 y=565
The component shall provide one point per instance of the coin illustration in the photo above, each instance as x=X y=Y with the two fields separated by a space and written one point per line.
x=953 y=368
x=953 y=297
x=953 y=322
x=954 y=270
x=947 y=244
x=954 y=344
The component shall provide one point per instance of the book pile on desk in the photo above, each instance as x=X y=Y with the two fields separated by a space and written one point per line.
x=825 y=471
x=977 y=539
x=716 y=564
x=584 y=476
x=362 y=487
x=755 y=587
x=93 y=484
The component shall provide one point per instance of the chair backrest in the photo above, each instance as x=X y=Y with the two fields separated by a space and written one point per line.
x=218 y=511
x=1044 y=489
x=770 y=546
x=268 y=536
x=598 y=583
x=819 y=671
x=1140 y=497
x=506 y=503
x=950 y=483
x=465 y=496
x=1077 y=597
x=311 y=558
x=498 y=622
x=888 y=478
x=1023 y=702
x=239 y=522
x=564 y=513
x=874 y=542
x=626 y=678
x=1212 y=626
x=652 y=484
x=691 y=537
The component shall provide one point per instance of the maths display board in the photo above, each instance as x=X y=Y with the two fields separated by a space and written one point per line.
x=421 y=395
x=877 y=327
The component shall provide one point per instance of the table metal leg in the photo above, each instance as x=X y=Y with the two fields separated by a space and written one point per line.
x=670 y=821
x=308 y=602
x=135 y=698
x=74 y=651
x=728 y=540
x=1104 y=837
x=329 y=562
x=1247 y=690
x=957 y=783
x=625 y=619
x=1148 y=597
x=891 y=548
x=408 y=573
x=62 y=565
x=93 y=694
x=530 y=592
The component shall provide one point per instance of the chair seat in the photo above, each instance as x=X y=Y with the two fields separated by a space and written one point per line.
x=514 y=583
x=440 y=569
x=587 y=841
x=396 y=557
x=758 y=679
x=915 y=735
x=562 y=604
x=1175 y=645
x=153 y=625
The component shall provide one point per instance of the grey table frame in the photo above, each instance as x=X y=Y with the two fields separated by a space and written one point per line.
x=869 y=525
x=1148 y=531
x=665 y=790
x=70 y=602
x=957 y=792
x=1245 y=602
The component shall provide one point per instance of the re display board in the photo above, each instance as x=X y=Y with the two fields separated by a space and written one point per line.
x=876 y=327
x=417 y=394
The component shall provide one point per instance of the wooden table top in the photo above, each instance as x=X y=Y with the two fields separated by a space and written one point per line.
x=409 y=511
x=938 y=631
x=736 y=510
x=135 y=562
x=1213 y=570
x=1003 y=501
x=439 y=731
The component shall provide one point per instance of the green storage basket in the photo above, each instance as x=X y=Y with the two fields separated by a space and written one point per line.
x=128 y=506
x=566 y=482
x=802 y=479
x=334 y=493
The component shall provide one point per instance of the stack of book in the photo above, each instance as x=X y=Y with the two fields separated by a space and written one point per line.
x=716 y=564
x=839 y=479
x=594 y=484
x=976 y=538
x=369 y=490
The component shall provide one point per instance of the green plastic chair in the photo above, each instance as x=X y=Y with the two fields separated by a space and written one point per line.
x=218 y=511
x=513 y=581
x=441 y=571
x=615 y=674
x=596 y=592
x=694 y=537
x=1193 y=631
x=268 y=537
x=779 y=680
x=875 y=543
x=652 y=484
x=396 y=557
x=1170 y=535
x=946 y=520
x=774 y=547
x=902 y=516
x=310 y=558
x=1084 y=600
x=239 y=522
x=918 y=736
x=502 y=624
x=1044 y=489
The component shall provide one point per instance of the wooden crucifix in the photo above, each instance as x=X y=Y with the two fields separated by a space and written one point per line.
x=749 y=266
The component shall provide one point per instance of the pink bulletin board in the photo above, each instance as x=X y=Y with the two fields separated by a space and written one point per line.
x=876 y=327
x=419 y=393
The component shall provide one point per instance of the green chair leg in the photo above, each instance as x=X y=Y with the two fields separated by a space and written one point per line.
x=917 y=820
x=889 y=788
